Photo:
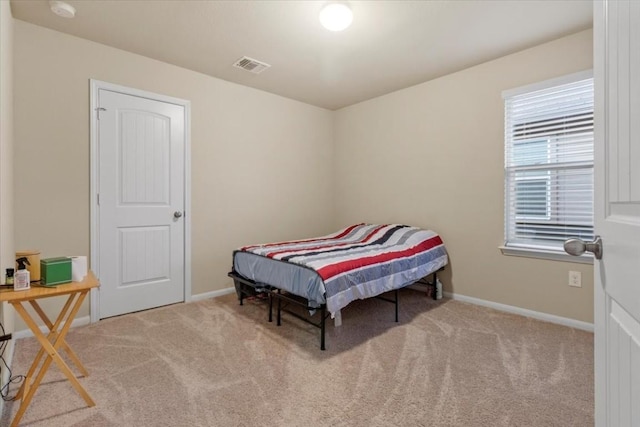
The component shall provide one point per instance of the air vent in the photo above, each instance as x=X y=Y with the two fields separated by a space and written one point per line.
x=252 y=65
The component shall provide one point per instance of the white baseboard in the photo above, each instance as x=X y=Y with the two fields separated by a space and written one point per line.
x=80 y=321
x=212 y=294
x=565 y=321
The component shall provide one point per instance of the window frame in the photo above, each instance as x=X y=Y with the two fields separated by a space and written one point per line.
x=526 y=249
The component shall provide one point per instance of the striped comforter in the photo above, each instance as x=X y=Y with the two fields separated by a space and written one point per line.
x=360 y=261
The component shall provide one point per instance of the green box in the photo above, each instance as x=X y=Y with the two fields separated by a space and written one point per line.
x=54 y=271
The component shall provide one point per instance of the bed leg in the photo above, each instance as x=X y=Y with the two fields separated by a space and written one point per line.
x=323 y=313
x=270 y=306
x=279 y=316
x=239 y=292
x=435 y=286
x=397 y=300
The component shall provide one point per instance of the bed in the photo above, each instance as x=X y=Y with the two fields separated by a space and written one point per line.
x=326 y=273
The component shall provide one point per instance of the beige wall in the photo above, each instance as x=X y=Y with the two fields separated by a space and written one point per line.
x=266 y=168
x=261 y=164
x=432 y=155
x=6 y=163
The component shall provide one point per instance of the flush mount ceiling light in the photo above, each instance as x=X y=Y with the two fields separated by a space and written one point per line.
x=62 y=9
x=336 y=16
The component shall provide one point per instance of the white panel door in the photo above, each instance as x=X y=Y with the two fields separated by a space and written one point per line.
x=141 y=145
x=617 y=210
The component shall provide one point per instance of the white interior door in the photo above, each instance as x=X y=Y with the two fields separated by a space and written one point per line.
x=141 y=151
x=617 y=210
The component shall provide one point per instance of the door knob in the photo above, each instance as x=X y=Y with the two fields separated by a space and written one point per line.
x=177 y=214
x=577 y=247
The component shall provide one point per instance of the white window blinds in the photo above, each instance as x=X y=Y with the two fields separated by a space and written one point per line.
x=549 y=165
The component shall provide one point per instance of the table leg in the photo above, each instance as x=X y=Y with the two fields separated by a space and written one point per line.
x=52 y=336
x=51 y=349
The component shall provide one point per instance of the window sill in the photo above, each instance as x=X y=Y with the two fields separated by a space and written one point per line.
x=546 y=254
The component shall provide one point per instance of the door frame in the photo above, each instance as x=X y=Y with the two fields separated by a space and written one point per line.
x=94 y=259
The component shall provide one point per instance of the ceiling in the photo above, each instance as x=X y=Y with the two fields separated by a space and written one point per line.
x=390 y=45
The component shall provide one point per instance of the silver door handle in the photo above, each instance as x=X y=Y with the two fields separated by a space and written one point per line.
x=177 y=214
x=577 y=247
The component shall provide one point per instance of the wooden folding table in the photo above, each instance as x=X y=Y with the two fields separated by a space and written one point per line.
x=54 y=341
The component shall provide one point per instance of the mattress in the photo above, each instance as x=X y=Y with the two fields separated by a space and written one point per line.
x=357 y=262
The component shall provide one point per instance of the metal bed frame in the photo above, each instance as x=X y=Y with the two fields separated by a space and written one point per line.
x=247 y=287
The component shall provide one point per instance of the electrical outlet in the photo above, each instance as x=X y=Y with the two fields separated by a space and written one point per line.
x=575 y=279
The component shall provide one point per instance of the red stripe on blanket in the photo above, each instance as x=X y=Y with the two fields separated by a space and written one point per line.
x=339 y=236
x=292 y=251
x=331 y=270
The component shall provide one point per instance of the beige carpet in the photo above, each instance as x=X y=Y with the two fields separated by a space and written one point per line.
x=214 y=363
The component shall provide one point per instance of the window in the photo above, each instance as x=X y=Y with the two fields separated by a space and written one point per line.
x=549 y=164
